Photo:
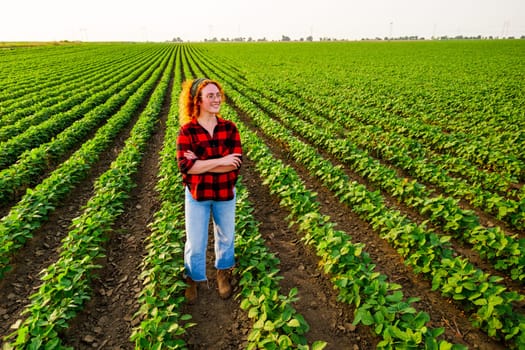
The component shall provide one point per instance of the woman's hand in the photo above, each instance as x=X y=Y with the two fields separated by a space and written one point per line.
x=190 y=155
x=233 y=159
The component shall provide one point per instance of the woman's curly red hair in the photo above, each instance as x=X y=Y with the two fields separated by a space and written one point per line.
x=189 y=107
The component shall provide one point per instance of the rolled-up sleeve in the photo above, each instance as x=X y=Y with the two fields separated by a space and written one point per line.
x=183 y=145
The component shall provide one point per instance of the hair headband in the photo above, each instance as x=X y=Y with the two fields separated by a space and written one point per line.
x=195 y=86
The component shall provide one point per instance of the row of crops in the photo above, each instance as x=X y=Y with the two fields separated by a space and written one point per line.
x=442 y=137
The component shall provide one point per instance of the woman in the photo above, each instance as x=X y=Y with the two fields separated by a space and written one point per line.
x=209 y=158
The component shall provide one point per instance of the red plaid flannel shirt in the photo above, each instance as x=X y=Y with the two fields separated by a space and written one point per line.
x=226 y=140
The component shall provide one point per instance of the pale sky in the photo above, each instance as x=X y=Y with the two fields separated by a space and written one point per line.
x=161 y=20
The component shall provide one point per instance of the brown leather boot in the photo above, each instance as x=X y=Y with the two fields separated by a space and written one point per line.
x=223 y=281
x=191 y=291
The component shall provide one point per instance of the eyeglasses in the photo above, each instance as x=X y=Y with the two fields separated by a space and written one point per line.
x=212 y=96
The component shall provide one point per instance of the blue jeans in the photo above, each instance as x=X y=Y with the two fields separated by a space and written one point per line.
x=197 y=217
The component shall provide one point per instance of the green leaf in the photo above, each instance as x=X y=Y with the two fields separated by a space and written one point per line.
x=293 y=323
x=365 y=316
x=319 y=345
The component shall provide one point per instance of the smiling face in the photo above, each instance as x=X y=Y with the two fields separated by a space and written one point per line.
x=211 y=98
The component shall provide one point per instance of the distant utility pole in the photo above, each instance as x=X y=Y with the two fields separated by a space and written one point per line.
x=391 y=30
x=505 y=30
x=83 y=34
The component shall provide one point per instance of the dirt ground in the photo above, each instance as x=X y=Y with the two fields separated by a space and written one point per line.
x=106 y=321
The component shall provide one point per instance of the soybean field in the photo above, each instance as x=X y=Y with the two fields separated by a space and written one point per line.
x=381 y=202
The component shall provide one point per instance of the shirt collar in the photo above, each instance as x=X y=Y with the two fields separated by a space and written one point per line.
x=219 y=120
